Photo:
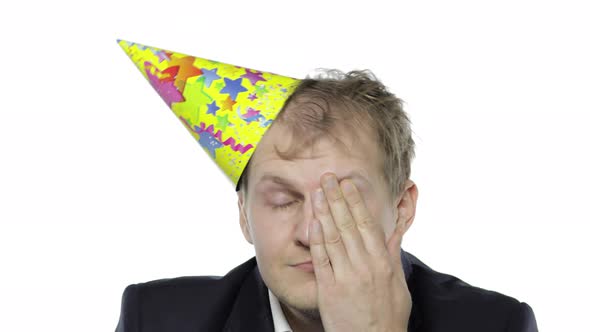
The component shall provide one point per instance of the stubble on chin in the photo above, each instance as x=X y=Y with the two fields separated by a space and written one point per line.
x=300 y=301
x=292 y=307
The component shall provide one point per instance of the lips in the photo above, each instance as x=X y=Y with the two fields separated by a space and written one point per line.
x=305 y=266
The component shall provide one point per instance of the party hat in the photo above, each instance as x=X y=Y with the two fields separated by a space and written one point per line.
x=226 y=108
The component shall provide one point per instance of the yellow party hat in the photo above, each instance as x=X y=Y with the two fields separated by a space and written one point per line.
x=226 y=108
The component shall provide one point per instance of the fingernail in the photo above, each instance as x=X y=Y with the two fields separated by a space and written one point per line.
x=331 y=182
x=347 y=187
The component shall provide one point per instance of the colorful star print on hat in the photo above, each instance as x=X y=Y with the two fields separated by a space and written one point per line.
x=226 y=108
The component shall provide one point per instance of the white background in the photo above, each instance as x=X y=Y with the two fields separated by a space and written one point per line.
x=101 y=186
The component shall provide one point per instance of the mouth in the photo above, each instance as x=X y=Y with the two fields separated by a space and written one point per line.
x=305 y=266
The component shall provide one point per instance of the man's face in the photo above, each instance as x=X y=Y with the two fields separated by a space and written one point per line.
x=277 y=211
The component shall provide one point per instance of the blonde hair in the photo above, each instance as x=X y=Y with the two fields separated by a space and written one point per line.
x=361 y=101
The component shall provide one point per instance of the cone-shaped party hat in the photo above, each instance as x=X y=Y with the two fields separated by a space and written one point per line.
x=226 y=108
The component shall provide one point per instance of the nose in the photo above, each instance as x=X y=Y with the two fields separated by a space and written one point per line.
x=302 y=227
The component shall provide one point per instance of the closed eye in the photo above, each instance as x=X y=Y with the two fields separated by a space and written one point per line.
x=283 y=206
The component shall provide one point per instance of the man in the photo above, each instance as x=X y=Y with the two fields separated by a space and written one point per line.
x=325 y=200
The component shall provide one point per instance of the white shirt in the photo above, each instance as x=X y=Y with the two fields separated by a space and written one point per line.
x=278 y=317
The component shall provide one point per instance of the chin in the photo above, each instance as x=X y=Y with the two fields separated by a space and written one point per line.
x=302 y=302
x=296 y=289
x=300 y=296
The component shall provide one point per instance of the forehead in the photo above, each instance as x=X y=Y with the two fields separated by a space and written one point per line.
x=357 y=176
x=348 y=155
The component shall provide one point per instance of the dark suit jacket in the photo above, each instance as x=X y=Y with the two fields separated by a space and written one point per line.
x=238 y=302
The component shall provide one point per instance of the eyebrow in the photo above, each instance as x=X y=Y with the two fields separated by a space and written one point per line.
x=286 y=182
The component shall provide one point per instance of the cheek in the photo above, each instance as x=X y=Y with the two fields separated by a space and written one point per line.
x=388 y=222
x=383 y=214
x=271 y=248
x=269 y=232
x=376 y=208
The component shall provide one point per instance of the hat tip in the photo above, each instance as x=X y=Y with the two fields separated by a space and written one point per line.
x=123 y=43
x=119 y=40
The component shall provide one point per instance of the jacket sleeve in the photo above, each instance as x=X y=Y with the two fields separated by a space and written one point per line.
x=129 y=317
x=522 y=320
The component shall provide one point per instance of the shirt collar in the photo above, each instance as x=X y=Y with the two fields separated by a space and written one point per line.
x=278 y=317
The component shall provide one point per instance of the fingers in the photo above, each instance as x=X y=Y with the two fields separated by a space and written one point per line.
x=345 y=222
x=350 y=234
x=371 y=232
x=319 y=256
x=345 y=233
x=332 y=239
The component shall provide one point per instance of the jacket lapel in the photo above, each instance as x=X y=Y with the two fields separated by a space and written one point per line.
x=251 y=310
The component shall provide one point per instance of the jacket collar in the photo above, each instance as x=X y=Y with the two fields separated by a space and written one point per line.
x=415 y=320
x=251 y=310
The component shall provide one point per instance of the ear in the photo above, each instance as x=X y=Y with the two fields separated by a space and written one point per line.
x=243 y=220
x=406 y=206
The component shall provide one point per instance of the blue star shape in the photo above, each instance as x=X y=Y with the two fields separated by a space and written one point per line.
x=209 y=142
x=210 y=76
x=212 y=108
x=256 y=117
x=233 y=87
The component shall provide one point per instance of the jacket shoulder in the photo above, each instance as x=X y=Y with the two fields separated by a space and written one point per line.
x=447 y=303
x=195 y=303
